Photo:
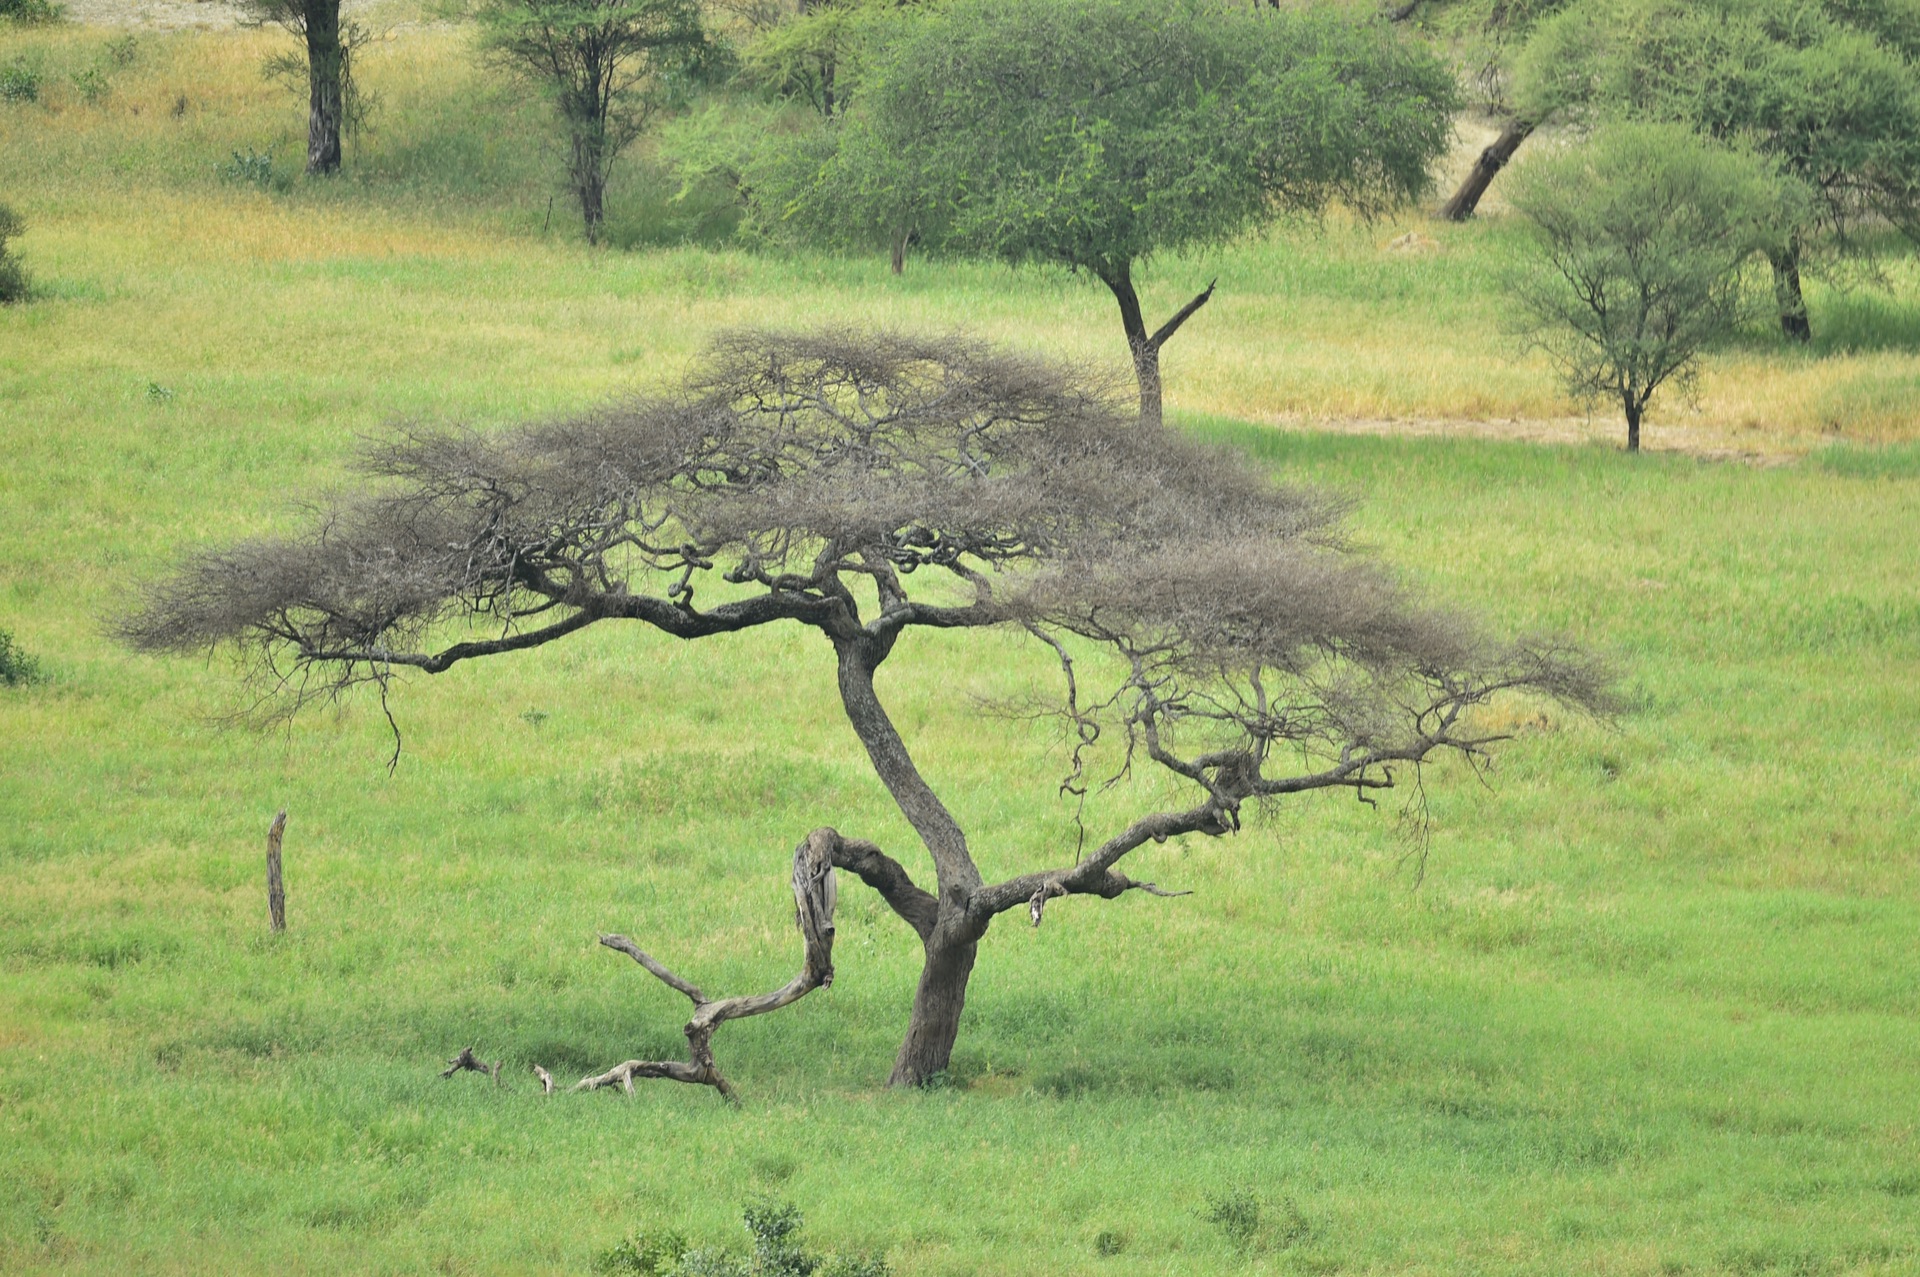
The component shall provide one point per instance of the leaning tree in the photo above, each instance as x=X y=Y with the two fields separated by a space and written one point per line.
x=1205 y=619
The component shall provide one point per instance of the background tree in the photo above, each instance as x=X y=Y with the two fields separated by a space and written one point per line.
x=609 y=66
x=1203 y=618
x=329 y=70
x=1094 y=135
x=1640 y=240
x=1832 y=102
x=1486 y=35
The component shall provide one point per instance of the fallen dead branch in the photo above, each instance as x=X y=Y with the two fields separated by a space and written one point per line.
x=814 y=896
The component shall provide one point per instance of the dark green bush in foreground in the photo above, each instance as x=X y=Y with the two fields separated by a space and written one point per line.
x=777 y=1252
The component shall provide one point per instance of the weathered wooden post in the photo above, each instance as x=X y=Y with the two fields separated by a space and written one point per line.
x=276 y=890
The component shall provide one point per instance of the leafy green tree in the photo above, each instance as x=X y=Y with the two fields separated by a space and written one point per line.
x=1834 y=103
x=1639 y=241
x=1097 y=134
x=1486 y=35
x=816 y=55
x=609 y=65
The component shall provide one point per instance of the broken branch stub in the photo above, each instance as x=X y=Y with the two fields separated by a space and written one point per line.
x=815 y=894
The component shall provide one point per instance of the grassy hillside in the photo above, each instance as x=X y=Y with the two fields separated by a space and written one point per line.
x=1654 y=1009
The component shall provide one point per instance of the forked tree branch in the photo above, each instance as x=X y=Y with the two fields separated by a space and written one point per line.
x=1181 y=316
x=814 y=897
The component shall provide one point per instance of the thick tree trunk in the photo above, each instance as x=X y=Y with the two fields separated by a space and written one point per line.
x=937 y=1003
x=951 y=943
x=1633 y=410
x=326 y=86
x=1786 y=291
x=1460 y=207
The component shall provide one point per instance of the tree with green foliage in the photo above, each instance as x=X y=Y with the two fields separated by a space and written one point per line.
x=31 y=12
x=15 y=283
x=1639 y=243
x=1097 y=134
x=1203 y=619
x=1485 y=35
x=329 y=74
x=1823 y=89
x=608 y=65
x=816 y=55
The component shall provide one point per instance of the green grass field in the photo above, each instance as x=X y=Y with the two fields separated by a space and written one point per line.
x=1655 y=1008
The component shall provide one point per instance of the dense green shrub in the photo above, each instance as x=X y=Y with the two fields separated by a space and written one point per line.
x=16 y=667
x=14 y=281
x=34 y=11
x=20 y=81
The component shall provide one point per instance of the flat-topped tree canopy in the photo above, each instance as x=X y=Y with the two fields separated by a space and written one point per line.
x=861 y=484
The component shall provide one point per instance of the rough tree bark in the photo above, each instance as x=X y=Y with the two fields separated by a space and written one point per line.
x=326 y=85
x=588 y=170
x=276 y=886
x=1143 y=346
x=1460 y=206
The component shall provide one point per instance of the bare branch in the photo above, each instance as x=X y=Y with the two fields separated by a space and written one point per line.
x=814 y=896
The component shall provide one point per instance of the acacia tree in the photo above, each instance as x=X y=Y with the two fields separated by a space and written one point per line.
x=1639 y=242
x=1204 y=618
x=1824 y=89
x=316 y=23
x=609 y=66
x=1097 y=134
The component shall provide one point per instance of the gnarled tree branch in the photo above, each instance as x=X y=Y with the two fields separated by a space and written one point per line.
x=814 y=896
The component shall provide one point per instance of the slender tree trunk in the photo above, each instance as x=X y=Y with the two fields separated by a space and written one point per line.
x=326 y=86
x=1460 y=207
x=898 y=258
x=1145 y=354
x=589 y=172
x=1786 y=291
x=1633 y=408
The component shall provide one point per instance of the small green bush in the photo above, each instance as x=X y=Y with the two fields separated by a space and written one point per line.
x=15 y=284
x=1235 y=1213
x=647 y=1254
x=775 y=1228
x=91 y=84
x=16 y=668
x=19 y=82
x=251 y=167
